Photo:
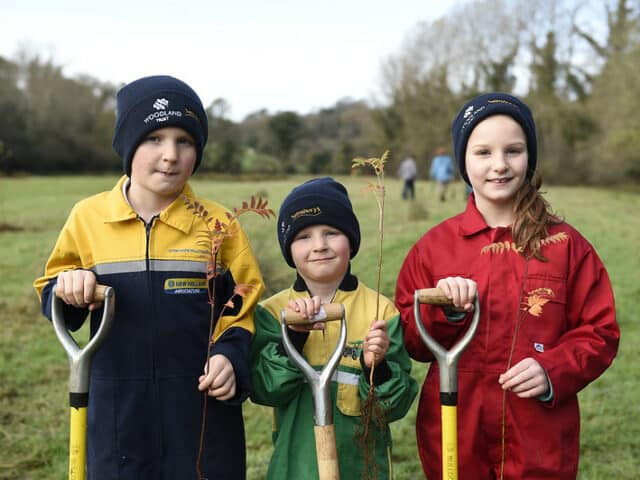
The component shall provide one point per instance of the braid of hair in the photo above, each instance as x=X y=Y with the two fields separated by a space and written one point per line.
x=532 y=215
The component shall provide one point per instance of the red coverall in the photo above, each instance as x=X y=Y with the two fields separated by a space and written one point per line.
x=561 y=313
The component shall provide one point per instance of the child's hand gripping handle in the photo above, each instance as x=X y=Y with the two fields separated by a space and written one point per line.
x=79 y=366
x=328 y=312
x=448 y=366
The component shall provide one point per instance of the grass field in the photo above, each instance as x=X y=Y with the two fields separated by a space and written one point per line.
x=34 y=369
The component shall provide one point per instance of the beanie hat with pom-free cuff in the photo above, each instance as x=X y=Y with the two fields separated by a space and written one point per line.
x=486 y=105
x=150 y=103
x=321 y=201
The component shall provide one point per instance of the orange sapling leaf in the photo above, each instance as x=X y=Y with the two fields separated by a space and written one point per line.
x=242 y=289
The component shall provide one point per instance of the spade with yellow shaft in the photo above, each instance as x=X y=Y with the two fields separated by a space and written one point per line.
x=79 y=366
x=325 y=435
x=448 y=368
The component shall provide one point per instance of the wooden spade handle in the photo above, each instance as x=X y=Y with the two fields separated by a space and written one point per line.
x=99 y=293
x=433 y=296
x=328 y=312
x=328 y=468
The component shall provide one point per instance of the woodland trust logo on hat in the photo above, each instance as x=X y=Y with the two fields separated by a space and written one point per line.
x=468 y=111
x=161 y=104
x=162 y=114
x=470 y=115
x=471 y=112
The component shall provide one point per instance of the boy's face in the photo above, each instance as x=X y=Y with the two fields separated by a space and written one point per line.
x=163 y=162
x=321 y=253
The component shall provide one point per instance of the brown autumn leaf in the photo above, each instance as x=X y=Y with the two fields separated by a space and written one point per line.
x=242 y=289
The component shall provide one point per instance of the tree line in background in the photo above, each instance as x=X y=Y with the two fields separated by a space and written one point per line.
x=576 y=62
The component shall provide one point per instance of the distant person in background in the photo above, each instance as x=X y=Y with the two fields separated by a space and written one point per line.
x=408 y=171
x=442 y=172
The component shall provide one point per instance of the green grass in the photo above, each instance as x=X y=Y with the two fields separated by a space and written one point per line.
x=34 y=369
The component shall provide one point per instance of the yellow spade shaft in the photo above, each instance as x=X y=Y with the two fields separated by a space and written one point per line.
x=77 y=443
x=449 y=442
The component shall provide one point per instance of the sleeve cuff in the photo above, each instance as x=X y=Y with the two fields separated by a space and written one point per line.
x=234 y=344
x=454 y=316
x=298 y=339
x=381 y=373
x=548 y=396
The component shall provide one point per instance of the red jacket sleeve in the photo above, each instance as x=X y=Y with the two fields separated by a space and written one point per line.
x=590 y=342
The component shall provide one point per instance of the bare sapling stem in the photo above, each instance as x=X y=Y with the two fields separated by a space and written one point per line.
x=213 y=235
x=371 y=409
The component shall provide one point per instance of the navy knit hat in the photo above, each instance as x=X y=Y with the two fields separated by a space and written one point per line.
x=150 y=103
x=483 y=106
x=321 y=201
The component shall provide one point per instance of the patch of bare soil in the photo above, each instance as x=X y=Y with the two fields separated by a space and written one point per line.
x=7 y=227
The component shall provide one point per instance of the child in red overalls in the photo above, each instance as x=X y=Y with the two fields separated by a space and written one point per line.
x=547 y=326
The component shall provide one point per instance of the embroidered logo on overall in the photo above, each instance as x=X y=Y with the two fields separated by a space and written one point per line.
x=353 y=350
x=536 y=299
x=185 y=286
x=502 y=247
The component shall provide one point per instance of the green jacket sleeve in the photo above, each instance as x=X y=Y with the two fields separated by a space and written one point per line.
x=276 y=381
x=396 y=394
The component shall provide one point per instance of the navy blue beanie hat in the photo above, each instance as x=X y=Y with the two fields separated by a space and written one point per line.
x=483 y=106
x=321 y=201
x=150 y=103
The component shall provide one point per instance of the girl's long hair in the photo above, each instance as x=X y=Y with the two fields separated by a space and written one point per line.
x=532 y=216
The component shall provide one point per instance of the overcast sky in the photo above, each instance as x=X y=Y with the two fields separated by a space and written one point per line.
x=298 y=55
